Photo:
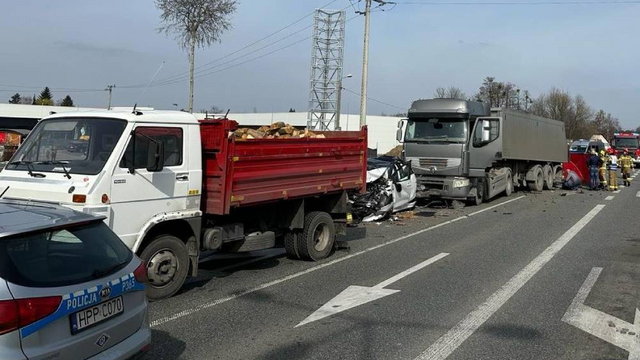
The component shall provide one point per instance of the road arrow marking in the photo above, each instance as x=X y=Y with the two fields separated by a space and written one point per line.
x=354 y=295
x=602 y=325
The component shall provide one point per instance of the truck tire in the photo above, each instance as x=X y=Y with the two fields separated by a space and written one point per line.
x=538 y=183
x=167 y=262
x=317 y=237
x=548 y=174
x=509 y=188
x=291 y=240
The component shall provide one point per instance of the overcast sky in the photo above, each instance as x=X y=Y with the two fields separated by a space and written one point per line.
x=77 y=45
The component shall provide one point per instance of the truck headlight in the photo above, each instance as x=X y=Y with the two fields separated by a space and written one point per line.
x=460 y=182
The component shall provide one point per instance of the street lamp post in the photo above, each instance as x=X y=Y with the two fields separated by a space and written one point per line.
x=339 y=101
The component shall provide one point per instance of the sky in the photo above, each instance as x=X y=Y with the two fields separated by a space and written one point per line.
x=78 y=47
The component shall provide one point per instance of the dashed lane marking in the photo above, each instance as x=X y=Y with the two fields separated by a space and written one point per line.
x=609 y=198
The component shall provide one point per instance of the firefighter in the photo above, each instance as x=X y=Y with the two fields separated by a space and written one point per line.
x=626 y=163
x=612 y=166
x=604 y=160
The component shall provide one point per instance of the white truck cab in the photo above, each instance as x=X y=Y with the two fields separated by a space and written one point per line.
x=103 y=163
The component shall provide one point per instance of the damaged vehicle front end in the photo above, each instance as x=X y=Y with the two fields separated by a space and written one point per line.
x=391 y=187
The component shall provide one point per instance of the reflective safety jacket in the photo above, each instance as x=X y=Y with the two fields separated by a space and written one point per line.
x=625 y=161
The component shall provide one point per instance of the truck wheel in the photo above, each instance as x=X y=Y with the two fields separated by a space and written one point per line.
x=538 y=183
x=479 y=196
x=317 y=237
x=548 y=177
x=291 y=239
x=509 y=188
x=167 y=266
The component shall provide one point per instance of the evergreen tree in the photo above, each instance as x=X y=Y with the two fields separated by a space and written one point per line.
x=66 y=101
x=45 y=97
x=15 y=99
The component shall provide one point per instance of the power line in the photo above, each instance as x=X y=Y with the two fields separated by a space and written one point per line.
x=372 y=99
x=184 y=75
x=587 y=2
x=216 y=68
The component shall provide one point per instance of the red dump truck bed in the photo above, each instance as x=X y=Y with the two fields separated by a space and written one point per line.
x=251 y=172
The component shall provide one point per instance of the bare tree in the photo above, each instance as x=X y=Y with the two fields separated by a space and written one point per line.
x=605 y=124
x=500 y=94
x=451 y=92
x=574 y=112
x=195 y=23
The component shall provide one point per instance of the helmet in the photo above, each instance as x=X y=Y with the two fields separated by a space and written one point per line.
x=602 y=152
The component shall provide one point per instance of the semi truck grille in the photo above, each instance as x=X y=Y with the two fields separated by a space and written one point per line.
x=439 y=163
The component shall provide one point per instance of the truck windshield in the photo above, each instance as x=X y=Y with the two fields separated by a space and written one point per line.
x=436 y=130
x=627 y=143
x=70 y=146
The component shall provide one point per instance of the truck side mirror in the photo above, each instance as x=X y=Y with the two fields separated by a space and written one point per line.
x=400 y=132
x=155 y=156
x=486 y=131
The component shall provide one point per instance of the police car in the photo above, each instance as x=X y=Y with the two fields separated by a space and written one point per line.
x=69 y=288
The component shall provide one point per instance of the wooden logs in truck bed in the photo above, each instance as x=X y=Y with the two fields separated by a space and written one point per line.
x=277 y=130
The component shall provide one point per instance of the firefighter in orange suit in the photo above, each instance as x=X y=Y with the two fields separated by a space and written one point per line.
x=604 y=160
x=626 y=163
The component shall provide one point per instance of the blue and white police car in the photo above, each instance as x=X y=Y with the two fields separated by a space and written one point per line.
x=69 y=287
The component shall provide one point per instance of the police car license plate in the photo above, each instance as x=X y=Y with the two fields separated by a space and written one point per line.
x=96 y=314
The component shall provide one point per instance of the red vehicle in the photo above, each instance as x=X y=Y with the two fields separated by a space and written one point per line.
x=627 y=140
x=579 y=152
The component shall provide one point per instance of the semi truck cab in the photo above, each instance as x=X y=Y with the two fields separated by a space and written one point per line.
x=436 y=142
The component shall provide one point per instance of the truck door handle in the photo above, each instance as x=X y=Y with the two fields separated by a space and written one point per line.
x=182 y=177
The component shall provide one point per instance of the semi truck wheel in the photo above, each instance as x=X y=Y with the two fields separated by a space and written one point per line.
x=167 y=266
x=548 y=177
x=538 y=183
x=291 y=240
x=317 y=237
x=509 y=188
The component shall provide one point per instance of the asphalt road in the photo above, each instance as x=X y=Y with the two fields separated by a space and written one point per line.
x=551 y=275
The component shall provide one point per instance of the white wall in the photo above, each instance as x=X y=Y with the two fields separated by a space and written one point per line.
x=382 y=129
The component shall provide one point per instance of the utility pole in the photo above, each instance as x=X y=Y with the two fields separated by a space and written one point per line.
x=365 y=64
x=365 y=56
x=110 y=90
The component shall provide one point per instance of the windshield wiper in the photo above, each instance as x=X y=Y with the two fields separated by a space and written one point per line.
x=29 y=165
x=61 y=163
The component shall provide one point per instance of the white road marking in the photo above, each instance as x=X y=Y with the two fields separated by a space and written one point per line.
x=213 y=303
x=609 y=198
x=602 y=325
x=354 y=295
x=450 y=341
x=617 y=192
x=638 y=194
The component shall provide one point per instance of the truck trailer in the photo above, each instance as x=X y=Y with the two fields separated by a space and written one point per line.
x=172 y=186
x=463 y=150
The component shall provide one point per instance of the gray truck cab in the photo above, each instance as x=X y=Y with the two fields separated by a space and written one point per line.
x=436 y=142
